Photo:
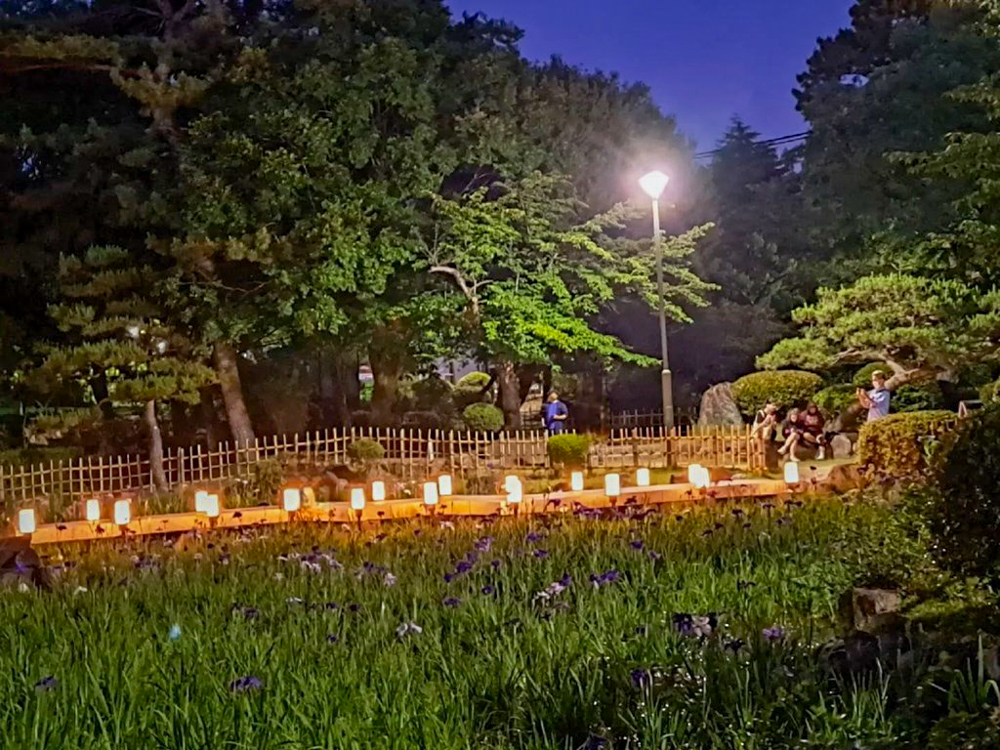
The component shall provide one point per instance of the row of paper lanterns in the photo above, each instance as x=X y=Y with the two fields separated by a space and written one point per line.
x=209 y=504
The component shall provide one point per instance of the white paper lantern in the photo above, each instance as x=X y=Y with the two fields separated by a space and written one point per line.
x=792 y=472
x=612 y=485
x=292 y=497
x=200 y=498
x=357 y=498
x=444 y=485
x=576 y=481
x=211 y=506
x=642 y=477
x=26 y=521
x=123 y=512
x=92 y=510
x=378 y=491
x=430 y=493
x=515 y=490
x=694 y=474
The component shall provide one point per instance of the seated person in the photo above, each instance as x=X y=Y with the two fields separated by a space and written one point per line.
x=792 y=432
x=813 y=433
x=765 y=423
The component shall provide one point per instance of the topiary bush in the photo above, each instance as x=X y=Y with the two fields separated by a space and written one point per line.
x=569 y=450
x=469 y=390
x=483 y=418
x=366 y=451
x=964 y=511
x=901 y=446
x=863 y=377
x=785 y=387
x=924 y=397
x=835 y=398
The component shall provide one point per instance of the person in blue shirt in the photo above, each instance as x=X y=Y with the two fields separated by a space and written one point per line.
x=876 y=401
x=555 y=414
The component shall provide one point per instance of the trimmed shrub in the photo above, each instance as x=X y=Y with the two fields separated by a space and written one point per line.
x=785 y=387
x=835 y=398
x=365 y=450
x=430 y=394
x=863 y=377
x=964 y=513
x=569 y=450
x=925 y=397
x=483 y=418
x=469 y=389
x=901 y=445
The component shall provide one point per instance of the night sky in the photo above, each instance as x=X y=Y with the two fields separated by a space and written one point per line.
x=705 y=60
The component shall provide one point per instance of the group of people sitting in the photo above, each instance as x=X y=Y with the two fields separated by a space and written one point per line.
x=807 y=427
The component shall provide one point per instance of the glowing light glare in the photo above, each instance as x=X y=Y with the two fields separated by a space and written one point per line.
x=292 y=499
x=430 y=493
x=378 y=491
x=357 y=498
x=792 y=473
x=612 y=485
x=694 y=473
x=211 y=506
x=704 y=479
x=26 y=521
x=92 y=511
x=653 y=184
x=642 y=477
x=576 y=481
x=200 y=497
x=444 y=485
x=509 y=481
x=123 y=512
x=515 y=490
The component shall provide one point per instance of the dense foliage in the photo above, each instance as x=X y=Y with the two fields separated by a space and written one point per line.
x=482 y=417
x=569 y=450
x=902 y=446
x=787 y=388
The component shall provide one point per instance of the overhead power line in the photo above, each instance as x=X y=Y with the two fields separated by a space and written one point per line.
x=783 y=140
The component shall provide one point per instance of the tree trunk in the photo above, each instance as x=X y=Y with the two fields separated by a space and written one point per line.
x=387 y=372
x=155 y=448
x=232 y=394
x=510 y=395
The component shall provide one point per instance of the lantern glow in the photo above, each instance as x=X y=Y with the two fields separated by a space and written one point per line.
x=292 y=499
x=378 y=491
x=694 y=473
x=612 y=485
x=444 y=485
x=430 y=493
x=642 y=477
x=200 y=500
x=792 y=472
x=357 y=498
x=510 y=481
x=515 y=491
x=123 y=512
x=92 y=511
x=576 y=481
x=26 y=521
x=211 y=506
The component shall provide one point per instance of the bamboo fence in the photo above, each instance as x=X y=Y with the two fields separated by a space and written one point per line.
x=409 y=455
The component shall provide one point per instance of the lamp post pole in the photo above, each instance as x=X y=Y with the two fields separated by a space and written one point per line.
x=666 y=378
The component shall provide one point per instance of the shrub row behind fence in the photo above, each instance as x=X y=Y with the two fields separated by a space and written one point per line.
x=409 y=454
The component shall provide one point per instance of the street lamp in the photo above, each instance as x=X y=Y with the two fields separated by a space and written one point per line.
x=653 y=184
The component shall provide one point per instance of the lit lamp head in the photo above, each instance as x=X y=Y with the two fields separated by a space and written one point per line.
x=430 y=493
x=694 y=474
x=211 y=506
x=515 y=491
x=791 y=473
x=444 y=485
x=123 y=512
x=509 y=481
x=200 y=499
x=378 y=491
x=291 y=499
x=612 y=485
x=26 y=521
x=92 y=510
x=357 y=498
x=642 y=477
x=576 y=481
x=653 y=184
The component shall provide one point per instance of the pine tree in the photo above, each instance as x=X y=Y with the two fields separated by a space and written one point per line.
x=116 y=337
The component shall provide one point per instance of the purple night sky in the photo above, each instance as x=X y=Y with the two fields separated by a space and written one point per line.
x=705 y=60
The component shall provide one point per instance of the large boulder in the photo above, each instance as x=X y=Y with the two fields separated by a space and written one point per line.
x=718 y=407
x=841 y=445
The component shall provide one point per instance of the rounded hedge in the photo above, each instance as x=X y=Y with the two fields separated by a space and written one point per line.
x=569 y=450
x=787 y=388
x=483 y=418
x=964 y=513
x=365 y=450
x=900 y=446
x=469 y=389
x=833 y=399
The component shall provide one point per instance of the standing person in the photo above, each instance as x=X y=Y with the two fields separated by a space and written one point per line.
x=555 y=414
x=876 y=401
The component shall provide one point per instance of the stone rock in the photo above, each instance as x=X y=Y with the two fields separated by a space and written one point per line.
x=844 y=478
x=718 y=407
x=841 y=446
x=871 y=610
x=849 y=420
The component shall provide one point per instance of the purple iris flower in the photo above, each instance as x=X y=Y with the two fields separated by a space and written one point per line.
x=245 y=684
x=485 y=544
x=774 y=634
x=636 y=544
x=641 y=678
x=452 y=601
x=489 y=590
x=46 y=684
x=540 y=553
x=534 y=537
x=604 y=579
